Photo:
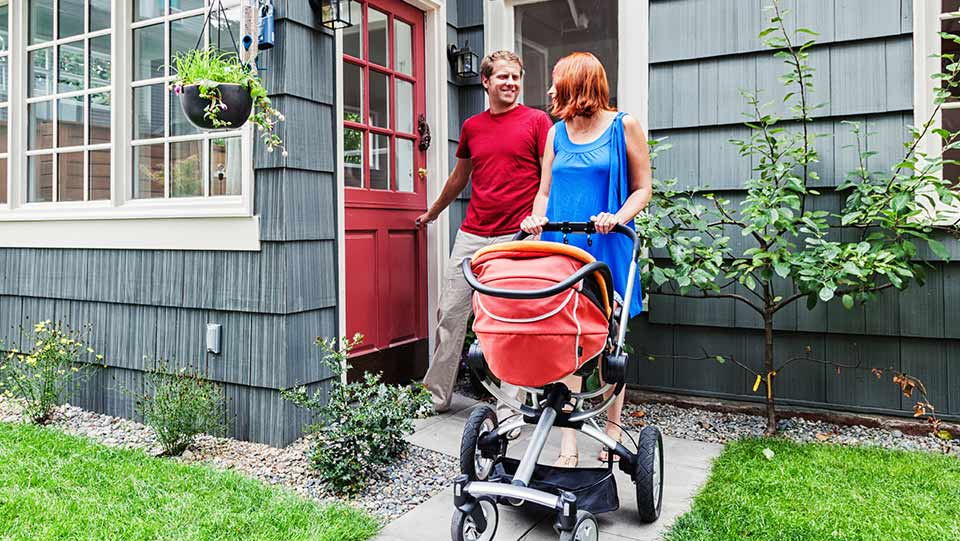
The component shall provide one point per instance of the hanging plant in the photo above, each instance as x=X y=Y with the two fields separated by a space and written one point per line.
x=217 y=92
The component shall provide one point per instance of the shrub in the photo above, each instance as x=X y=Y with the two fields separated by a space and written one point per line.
x=178 y=405
x=361 y=425
x=43 y=376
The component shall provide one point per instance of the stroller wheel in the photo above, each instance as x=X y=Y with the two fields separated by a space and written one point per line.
x=473 y=463
x=463 y=527
x=648 y=475
x=585 y=530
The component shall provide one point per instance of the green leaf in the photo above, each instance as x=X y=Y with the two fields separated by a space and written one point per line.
x=939 y=249
x=720 y=359
x=782 y=269
x=826 y=293
x=811 y=301
x=750 y=282
x=847 y=301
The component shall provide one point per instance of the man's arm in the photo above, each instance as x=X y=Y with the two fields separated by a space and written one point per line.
x=455 y=184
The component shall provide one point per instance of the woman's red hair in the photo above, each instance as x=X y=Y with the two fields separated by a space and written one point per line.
x=580 y=86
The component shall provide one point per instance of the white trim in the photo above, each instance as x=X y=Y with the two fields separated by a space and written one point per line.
x=136 y=234
x=341 y=193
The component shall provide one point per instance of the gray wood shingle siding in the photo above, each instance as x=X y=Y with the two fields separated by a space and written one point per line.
x=148 y=305
x=702 y=52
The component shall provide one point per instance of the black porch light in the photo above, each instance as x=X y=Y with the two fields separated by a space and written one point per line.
x=335 y=14
x=464 y=61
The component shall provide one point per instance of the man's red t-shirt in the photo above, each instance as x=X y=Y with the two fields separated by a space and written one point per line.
x=505 y=150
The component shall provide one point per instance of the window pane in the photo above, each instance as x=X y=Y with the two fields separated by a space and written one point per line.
x=184 y=34
x=99 y=15
x=951 y=123
x=70 y=18
x=70 y=177
x=379 y=96
x=3 y=130
x=176 y=6
x=40 y=66
x=352 y=92
x=403 y=46
x=225 y=166
x=100 y=62
x=40 y=178
x=70 y=121
x=404 y=106
x=220 y=32
x=147 y=9
x=71 y=67
x=4 y=27
x=148 y=172
x=186 y=169
x=3 y=181
x=179 y=125
x=148 y=52
x=4 y=77
x=99 y=174
x=353 y=157
x=148 y=111
x=380 y=162
x=99 y=111
x=377 y=36
x=40 y=125
x=41 y=21
x=404 y=165
x=351 y=35
x=950 y=5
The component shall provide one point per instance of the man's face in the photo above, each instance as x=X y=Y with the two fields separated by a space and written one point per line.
x=504 y=85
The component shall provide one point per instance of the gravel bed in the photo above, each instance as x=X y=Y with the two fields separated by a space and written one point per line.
x=417 y=476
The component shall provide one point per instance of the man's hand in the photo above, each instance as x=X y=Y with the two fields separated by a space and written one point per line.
x=425 y=219
x=605 y=222
x=533 y=224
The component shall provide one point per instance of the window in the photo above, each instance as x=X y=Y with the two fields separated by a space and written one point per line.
x=4 y=95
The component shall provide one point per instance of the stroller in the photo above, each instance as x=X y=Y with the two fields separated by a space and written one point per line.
x=544 y=311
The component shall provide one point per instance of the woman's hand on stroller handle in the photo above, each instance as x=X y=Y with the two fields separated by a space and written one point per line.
x=605 y=222
x=587 y=228
x=533 y=224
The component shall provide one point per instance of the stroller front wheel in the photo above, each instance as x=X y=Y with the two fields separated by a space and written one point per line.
x=477 y=463
x=648 y=475
x=585 y=530
x=464 y=527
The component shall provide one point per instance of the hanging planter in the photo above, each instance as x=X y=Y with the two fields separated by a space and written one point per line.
x=219 y=92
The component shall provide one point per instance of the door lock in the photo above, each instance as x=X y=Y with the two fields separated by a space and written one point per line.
x=423 y=173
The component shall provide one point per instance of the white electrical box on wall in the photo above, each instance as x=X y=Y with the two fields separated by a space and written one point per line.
x=214 y=337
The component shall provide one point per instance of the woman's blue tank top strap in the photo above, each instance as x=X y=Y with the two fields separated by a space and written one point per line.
x=560 y=138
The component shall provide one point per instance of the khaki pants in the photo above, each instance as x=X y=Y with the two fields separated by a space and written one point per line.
x=453 y=312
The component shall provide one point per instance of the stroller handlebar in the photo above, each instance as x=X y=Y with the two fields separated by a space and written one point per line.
x=596 y=266
x=588 y=228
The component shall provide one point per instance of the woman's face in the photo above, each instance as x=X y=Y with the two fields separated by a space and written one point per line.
x=552 y=92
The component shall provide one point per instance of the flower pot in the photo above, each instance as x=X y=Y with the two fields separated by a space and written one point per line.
x=236 y=98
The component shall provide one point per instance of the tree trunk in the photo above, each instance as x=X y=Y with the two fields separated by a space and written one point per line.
x=768 y=371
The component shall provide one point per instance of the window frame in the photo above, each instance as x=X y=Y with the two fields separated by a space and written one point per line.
x=121 y=204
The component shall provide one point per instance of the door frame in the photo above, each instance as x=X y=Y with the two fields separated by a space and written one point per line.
x=435 y=85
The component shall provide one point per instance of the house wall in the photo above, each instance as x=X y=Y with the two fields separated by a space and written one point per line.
x=148 y=305
x=702 y=53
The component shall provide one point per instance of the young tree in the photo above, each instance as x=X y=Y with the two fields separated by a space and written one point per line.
x=850 y=256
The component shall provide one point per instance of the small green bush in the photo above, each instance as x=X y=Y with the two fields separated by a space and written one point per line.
x=361 y=425
x=178 y=405
x=43 y=376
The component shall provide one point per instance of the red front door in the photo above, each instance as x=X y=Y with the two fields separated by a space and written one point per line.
x=386 y=281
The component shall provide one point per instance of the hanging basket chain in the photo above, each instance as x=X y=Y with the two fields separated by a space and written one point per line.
x=221 y=16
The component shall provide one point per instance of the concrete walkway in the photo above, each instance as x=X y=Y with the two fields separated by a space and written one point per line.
x=686 y=465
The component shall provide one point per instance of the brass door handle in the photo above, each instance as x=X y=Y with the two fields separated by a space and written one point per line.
x=423 y=173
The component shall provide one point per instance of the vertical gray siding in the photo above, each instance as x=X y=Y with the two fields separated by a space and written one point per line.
x=702 y=54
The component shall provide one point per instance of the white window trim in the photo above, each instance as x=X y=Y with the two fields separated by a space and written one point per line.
x=221 y=223
x=926 y=41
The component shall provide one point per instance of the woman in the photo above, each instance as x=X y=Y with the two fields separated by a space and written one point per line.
x=596 y=167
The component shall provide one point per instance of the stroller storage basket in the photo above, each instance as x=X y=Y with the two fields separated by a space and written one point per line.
x=534 y=341
x=595 y=488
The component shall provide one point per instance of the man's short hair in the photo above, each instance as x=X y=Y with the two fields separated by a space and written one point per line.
x=486 y=65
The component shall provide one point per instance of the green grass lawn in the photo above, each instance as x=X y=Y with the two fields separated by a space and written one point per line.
x=817 y=492
x=55 y=486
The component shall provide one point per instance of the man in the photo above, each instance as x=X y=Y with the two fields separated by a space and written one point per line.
x=501 y=150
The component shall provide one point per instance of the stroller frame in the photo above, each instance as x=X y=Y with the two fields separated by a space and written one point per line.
x=476 y=498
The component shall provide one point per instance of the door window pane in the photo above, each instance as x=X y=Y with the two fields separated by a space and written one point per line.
x=4 y=27
x=352 y=92
x=176 y=6
x=540 y=44
x=70 y=18
x=184 y=34
x=148 y=52
x=179 y=125
x=403 y=46
x=40 y=178
x=220 y=31
x=40 y=125
x=4 y=77
x=99 y=174
x=41 y=21
x=404 y=106
x=100 y=62
x=70 y=176
x=379 y=99
x=225 y=166
x=147 y=9
x=3 y=130
x=404 y=165
x=148 y=172
x=353 y=157
x=380 y=162
x=40 y=67
x=377 y=36
x=99 y=15
x=148 y=111
x=186 y=169
x=70 y=66
x=99 y=118
x=70 y=122
x=3 y=181
x=351 y=35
